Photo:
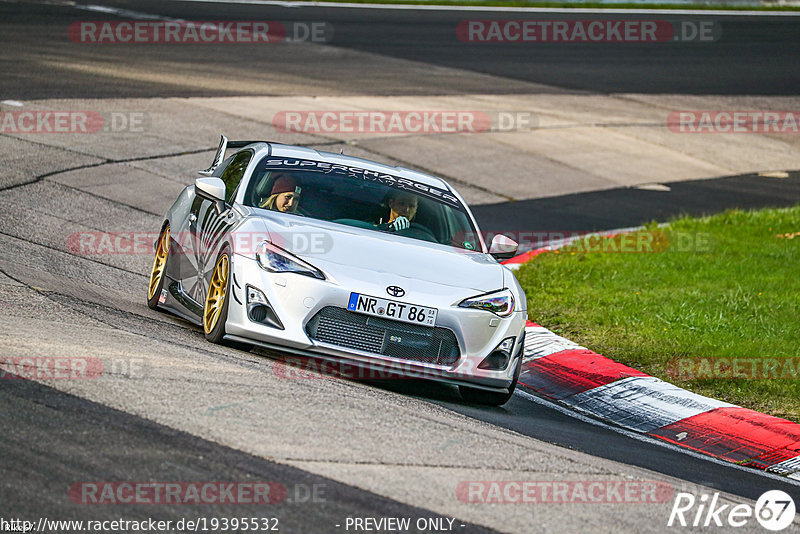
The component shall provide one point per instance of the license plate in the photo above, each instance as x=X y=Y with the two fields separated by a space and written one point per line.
x=390 y=309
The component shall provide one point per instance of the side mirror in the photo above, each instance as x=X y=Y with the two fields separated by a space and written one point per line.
x=503 y=247
x=212 y=189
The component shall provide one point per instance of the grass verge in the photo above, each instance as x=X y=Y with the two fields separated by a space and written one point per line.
x=723 y=290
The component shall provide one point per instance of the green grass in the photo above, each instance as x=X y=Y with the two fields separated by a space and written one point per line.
x=579 y=4
x=735 y=293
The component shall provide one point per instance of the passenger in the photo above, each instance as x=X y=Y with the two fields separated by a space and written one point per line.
x=285 y=195
x=402 y=209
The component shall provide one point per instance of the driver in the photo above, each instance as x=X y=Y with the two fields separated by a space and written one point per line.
x=402 y=209
x=285 y=195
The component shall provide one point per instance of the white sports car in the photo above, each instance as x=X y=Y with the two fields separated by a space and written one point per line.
x=346 y=260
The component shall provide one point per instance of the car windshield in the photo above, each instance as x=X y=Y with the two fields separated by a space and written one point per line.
x=362 y=198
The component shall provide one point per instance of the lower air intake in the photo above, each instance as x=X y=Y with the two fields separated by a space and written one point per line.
x=404 y=341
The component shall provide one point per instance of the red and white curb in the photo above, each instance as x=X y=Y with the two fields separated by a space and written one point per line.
x=564 y=372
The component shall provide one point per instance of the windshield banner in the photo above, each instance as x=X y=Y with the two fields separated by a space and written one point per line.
x=404 y=184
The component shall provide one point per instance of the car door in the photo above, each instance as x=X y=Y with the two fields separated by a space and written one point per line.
x=207 y=228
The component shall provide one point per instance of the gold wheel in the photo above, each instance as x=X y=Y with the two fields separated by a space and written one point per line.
x=159 y=263
x=216 y=294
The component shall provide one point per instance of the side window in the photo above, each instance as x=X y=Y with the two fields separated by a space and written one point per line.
x=234 y=172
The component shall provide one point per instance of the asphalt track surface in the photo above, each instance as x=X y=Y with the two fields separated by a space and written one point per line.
x=628 y=207
x=51 y=438
x=757 y=57
x=86 y=441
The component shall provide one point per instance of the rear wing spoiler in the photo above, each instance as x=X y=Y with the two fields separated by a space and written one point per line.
x=224 y=144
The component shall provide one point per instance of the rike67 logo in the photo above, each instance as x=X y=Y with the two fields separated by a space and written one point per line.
x=774 y=510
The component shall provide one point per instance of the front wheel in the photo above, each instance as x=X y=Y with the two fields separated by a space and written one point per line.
x=491 y=398
x=215 y=310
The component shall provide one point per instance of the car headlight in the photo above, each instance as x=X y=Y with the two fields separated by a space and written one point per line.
x=276 y=260
x=499 y=302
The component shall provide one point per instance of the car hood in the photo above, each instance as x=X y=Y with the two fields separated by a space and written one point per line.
x=332 y=247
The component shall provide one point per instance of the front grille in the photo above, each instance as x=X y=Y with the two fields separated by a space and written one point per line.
x=406 y=341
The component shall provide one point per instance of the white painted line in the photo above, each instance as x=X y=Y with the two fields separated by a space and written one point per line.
x=16 y=103
x=642 y=403
x=138 y=15
x=653 y=187
x=502 y=9
x=650 y=440
x=774 y=174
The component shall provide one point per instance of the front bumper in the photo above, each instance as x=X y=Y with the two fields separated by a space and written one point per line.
x=297 y=299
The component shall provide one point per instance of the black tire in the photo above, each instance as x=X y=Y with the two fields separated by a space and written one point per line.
x=152 y=300
x=491 y=398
